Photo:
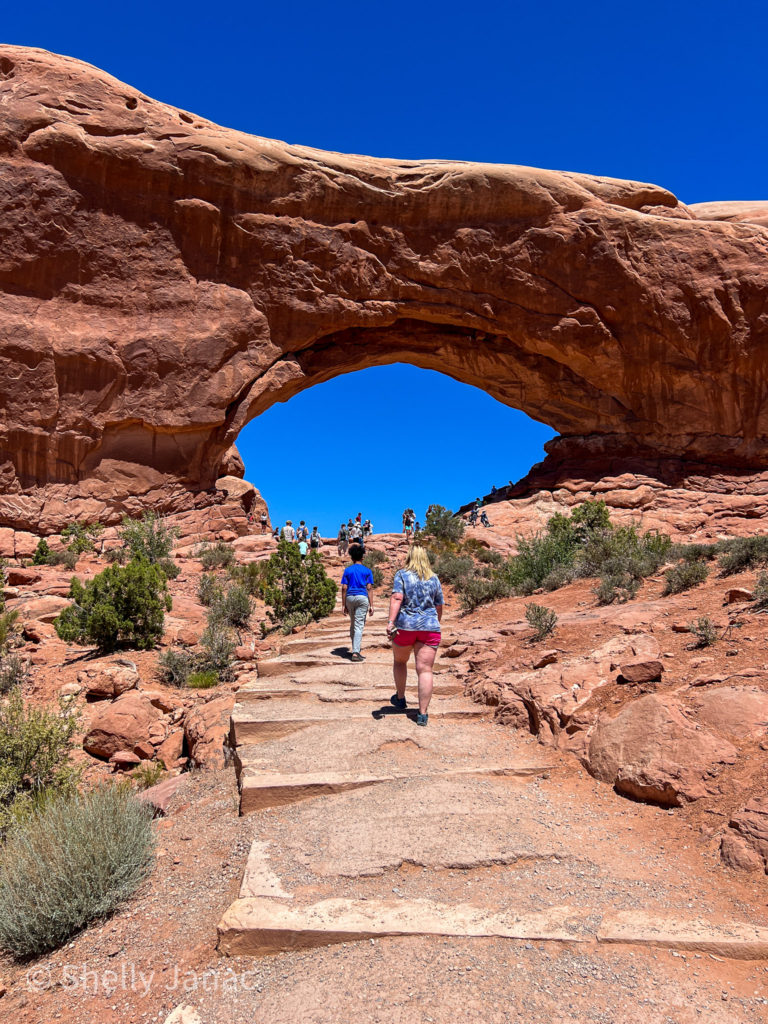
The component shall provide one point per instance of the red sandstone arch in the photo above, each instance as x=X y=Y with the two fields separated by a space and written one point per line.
x=163 y=280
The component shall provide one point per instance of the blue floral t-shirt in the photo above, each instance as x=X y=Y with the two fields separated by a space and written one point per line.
x=419 y=600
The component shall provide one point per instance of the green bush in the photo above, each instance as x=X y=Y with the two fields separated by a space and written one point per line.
x=176 y=665
x=218 y=648
x=443 y=525
x=295 y=619
x=291 y=585
x=454 y=569
x=203 y=680
x=233 y=607
x=209 y=589
x=72 y=863
x=617 y=587
x=149 y=540
x=537 y=558
x=250 y=575
x=9 y=630
x=42 y=553
x=694 y=552
x=44 y=556
x=373 y=559
x=541 y=620
x=13 y=672
x=477 y=590
x=122 y=605
x=35 y=743
x=81 y=536
x=147 y=775
x=216 y=556
x=760 y=592
x=684 y=576
x=560 y=576
x=742 y=553
x=488 y=556
x=623 y=551
x=705 y=631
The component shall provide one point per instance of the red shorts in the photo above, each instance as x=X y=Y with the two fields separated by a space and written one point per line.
x=408 y=637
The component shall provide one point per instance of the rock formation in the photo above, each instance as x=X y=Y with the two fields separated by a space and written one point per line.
x=164 y=280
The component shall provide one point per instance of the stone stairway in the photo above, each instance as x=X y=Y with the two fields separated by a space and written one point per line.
x=483 y=832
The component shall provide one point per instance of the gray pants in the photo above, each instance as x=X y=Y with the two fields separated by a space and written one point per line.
x=357 y=606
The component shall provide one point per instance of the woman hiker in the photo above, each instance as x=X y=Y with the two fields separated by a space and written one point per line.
x=357 y=597
x=415 y=611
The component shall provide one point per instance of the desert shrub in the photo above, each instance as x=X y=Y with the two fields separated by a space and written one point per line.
x=42 y=551
x=454 y=569
x=373 y=559
x=147 y=775
x=705 y=631
x=694 y=552
x=760 y=591
x=9 y=630
x=13 y=672
x=122 y=605
x=203 y=680
x=175 y=666
x=81 y=536
x=623 y=551
x=35 y=743
x=44 y=556
x=537 y=558
x=292 y=585
x=684 y=576
x=616 y=587
x=443 y=525
x=250 y=575
x=208 y=589
x=295 y=619
x=233 y=607
x=149 y=540
x=477 y=590
x=216 y=556
x=742 y=553
x=218 y=648
x=488 y=556
x=71 y=863
x=541 y=620
x=560 y=576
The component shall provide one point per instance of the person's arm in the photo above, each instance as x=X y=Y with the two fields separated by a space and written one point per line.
x=344 y=598
x=369 y=588
x=439 y=610
x=394 y=610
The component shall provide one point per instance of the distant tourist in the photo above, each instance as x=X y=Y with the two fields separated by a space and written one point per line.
x=264 y=520
x=408 y=522
x=415 y=611
x=288 y=531
x=473 y=517
x=315 y=540
x=359 y=518
x=357 y=597
x=303 y=549
x=367 y=528
x=484 y=518
x=302 y=533
x=276 y=534
x=342 y=539
x=355 y=532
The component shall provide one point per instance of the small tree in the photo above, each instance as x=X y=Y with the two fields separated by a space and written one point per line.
x=542 y=620
x=292 y=585
x=122 y=605
x=443 y=525
x=81 y=536
x=147 y=539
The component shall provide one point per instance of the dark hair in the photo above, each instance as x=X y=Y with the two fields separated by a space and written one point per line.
x=356 y=552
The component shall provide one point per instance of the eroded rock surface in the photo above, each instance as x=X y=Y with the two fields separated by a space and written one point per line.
x=163 y=280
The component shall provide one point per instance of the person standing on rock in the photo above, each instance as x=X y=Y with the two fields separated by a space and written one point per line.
x=315 y=540
x=288 y=532
x=342 y=540
x=357 y=597
x=264 y=521
x=415 y=612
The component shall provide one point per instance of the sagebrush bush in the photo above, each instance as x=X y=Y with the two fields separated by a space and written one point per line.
x=454 y=569
x=218 y=648
x=760 y=591
x=123 y=605
x=233 y=607
x=694 y=552
x=147 y=539
x=542 y=620
x=71 y=863
x=250 y=575
x=373 y=559
x=442 y=524
x=617 y=587
x=9 y=630
x=147 y=775
x=13 y=672
x=477 y=590
x=705 y=631
x=742 y=553
x=295 y=619
x=208 y=589
x=488 y=556
x=81 y=536
x=44 y=556
x=175 y=666
x=684 y=576
x=216 y=556
x=35 y=744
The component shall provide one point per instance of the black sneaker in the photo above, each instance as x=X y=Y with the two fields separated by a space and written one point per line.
x=398 y=702
x=357 y=657
x=422 y=719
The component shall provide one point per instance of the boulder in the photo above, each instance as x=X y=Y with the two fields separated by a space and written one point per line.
x=650 y=751
x=17 y=577
x=206 y=731
x=738 y=595
x=108 y=682
x=36 y=632
x=172 y=748
x=161 y=795
x=737 y=711
x=45 y=609
x=638 y=672
x=121 y=724
x=125 y=759
x=745 y=845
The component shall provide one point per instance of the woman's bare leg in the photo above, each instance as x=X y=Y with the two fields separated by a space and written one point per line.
x=400 y=667
x=425 y=659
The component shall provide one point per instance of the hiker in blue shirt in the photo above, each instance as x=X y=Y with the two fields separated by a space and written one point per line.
x=357 y=597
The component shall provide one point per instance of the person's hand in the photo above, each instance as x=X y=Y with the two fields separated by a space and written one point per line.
x=370 y=610
x=345 y=610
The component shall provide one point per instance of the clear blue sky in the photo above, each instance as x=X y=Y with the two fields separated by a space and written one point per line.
x=668 y=92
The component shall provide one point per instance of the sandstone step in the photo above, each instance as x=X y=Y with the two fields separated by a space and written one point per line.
x=334 y=692
x=283 y=664
x=271 y=719
x=258 y=926
x=260 y=789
